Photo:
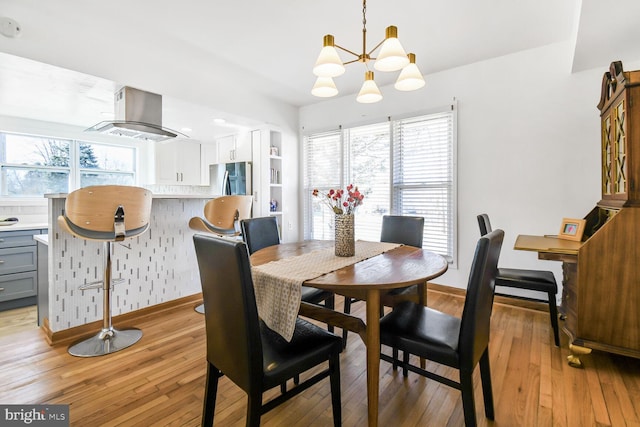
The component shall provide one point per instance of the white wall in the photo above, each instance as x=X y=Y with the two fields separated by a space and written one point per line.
x=528 y=144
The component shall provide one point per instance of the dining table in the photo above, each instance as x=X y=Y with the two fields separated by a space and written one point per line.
x=369 y=280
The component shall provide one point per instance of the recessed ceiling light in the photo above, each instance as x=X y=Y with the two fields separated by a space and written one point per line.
x=219 y=121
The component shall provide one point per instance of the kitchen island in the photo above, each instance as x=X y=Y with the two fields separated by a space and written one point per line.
x=157 y=267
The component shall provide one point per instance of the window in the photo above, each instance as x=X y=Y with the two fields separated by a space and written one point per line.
x=106 y=164
x=31 y=166
x=404 y=167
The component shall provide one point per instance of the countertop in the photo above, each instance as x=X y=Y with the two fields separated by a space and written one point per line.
x=42 y=238
x=155 y=196
x=20 y=226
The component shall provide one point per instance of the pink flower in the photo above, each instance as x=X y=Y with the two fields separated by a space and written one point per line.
x=336 y=201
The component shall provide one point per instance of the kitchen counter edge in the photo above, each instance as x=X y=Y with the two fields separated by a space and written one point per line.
x=155 y=196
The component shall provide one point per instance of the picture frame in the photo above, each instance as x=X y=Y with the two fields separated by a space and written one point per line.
x=572 y=229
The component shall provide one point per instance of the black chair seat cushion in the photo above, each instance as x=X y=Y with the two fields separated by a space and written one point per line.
x=309 y=347
x=423 y=331
x=536 y=280
x=315 y=295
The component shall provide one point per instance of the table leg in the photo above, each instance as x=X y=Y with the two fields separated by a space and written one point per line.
x=373 y=354
x=422 y=297
x=422 y=293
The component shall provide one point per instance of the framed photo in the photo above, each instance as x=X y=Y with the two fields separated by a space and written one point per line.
x=572 y=229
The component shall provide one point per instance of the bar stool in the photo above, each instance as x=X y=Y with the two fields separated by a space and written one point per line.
x=106 y=213
x=222 y=217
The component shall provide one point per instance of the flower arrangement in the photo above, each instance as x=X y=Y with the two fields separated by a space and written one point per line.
x=339 y=201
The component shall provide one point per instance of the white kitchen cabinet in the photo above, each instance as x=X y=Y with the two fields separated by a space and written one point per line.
x=178 y=163
x=234 y=148
x=208 y=157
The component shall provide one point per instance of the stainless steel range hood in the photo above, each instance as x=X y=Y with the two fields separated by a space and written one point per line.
x=138 y=115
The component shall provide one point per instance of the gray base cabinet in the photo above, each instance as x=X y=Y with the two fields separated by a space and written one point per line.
x=18 y=268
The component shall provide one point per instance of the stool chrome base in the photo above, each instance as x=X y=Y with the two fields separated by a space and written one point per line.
x=199 y=308
x=105 y=342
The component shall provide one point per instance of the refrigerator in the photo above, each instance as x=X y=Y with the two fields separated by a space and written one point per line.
x=231 y=178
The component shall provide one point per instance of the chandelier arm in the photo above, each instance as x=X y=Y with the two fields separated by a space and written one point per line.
x=375 y=47
x=351 y=62
x=346 y=50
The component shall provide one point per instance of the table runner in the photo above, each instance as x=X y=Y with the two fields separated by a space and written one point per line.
x=278 y=283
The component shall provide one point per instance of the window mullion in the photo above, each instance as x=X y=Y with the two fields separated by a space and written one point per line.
x=74 y=162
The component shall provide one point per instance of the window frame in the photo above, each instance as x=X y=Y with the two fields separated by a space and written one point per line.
x=449 y=111
x=74 y=170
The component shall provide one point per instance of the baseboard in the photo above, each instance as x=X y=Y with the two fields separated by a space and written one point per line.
x=515 y=301
x=70 y=335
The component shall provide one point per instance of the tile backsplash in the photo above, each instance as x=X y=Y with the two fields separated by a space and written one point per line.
x=26 y=213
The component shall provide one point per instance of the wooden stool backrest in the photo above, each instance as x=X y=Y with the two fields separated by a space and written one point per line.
x=224 y=211
x=92 y=209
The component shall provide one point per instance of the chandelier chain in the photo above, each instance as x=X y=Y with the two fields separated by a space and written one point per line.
x=364 y=15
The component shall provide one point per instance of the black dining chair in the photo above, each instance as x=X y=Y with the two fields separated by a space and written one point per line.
x=533 y=280
x=261 y=232
x=460 y=343
x=407 y=230
x=242 y=348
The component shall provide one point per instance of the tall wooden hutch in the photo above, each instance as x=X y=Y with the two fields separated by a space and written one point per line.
x=601 y=283
x=601 y=295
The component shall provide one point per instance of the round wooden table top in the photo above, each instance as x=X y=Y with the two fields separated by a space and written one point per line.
x=397 y=268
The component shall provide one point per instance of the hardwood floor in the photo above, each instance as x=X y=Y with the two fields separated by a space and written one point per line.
x=159 y=381
x=18 y=320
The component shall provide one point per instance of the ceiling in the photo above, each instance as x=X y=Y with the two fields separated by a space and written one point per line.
x=216 y=59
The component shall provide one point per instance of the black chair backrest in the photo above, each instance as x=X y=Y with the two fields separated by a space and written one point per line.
x=476 y=315
x=484 y=224
x=260 y=232
x=407 y=230
x=231 y=315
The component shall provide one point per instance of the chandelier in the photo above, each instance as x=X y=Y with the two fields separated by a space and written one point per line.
x=391 y=57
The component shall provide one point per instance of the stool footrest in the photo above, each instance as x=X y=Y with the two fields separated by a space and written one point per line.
x=98 y=284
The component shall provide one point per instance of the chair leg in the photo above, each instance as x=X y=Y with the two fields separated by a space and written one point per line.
x=210 y=391
x=336 y=401
x=330 y=303
x=395 y=358
x=468 y=402
x=405 y=360
x=553 y=312
x=487 y=391
x=347 y=310
x=254 y=408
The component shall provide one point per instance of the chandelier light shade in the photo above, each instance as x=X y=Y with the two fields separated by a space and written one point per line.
x=392 y=57
x=324 y=87
x=329 y=63
x=369 y=92
x=410 y=77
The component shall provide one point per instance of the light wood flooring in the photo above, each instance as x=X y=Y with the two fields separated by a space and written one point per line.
x=159 y=381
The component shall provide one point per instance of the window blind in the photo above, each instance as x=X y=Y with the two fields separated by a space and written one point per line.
x=368 y=167
x=403 y=167
x=423 y=181
x=323 y=170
